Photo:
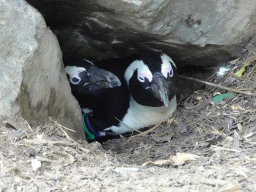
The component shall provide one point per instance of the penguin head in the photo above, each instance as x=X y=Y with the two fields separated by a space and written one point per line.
x=85 y=78
x=151 y=79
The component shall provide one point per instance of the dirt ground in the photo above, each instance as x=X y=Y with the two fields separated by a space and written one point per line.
x=205 y=146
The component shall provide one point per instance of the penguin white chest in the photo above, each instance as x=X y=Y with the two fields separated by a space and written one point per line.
x=139 y=116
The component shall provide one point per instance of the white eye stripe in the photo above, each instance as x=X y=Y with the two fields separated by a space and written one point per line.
x=166 y=67
x=167 y=70
x=143 y=74
x=166 y=58
x=71 y=70
x=173 y=63
x=142 y=70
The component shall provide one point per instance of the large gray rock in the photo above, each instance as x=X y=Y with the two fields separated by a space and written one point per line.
x=33 y=84
x=200 y=32
x=199 y=22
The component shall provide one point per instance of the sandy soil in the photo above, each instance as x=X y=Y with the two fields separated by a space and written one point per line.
x=205 y=146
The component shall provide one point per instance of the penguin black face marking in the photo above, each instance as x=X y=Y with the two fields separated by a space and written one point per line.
x=85 y=78
x=151 y=81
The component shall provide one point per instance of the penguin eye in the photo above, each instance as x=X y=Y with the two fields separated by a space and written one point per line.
x=170 y=73
x=141 y=79
x=75 y=80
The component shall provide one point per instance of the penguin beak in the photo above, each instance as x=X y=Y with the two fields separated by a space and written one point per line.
x=160 y=88
x=104 y=79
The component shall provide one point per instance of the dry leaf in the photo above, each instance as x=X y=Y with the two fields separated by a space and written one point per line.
x=169 y=121
x=181 y=158
x=236 y=107
x=231 y=188
x=198 y=98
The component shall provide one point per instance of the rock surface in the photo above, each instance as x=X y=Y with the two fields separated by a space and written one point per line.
x=33 y=84
x=196 y=32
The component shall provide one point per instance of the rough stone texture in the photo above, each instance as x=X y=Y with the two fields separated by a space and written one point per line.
x=199 y=22
x=33 y=84
x=201 y=32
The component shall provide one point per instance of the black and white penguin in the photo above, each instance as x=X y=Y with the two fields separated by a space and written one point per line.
x=147 y=94
x=87 y=80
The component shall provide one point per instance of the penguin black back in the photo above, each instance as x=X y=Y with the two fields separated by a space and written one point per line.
x=112 y=104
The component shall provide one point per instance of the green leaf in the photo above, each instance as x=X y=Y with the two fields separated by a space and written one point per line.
x=220 y=98
x=240 y=72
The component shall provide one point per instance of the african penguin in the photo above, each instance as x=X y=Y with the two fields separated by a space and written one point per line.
x=87 y=80
x=147 y=94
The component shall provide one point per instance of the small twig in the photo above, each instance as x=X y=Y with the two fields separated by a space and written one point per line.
x=128 y=126
x=84 y=150
x=220 y=133
x=61 y=125
x=29 y=127
x=216 y=148
x=141 y=133
x=66 y=134
x=219 y=86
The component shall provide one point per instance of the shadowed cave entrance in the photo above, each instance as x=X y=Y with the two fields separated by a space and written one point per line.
x=80 y=37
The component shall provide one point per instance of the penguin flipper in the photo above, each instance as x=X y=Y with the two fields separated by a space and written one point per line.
x=95 y=126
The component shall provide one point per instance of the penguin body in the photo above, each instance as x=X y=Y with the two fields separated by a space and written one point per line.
x=147 y=94
x=139 y=116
